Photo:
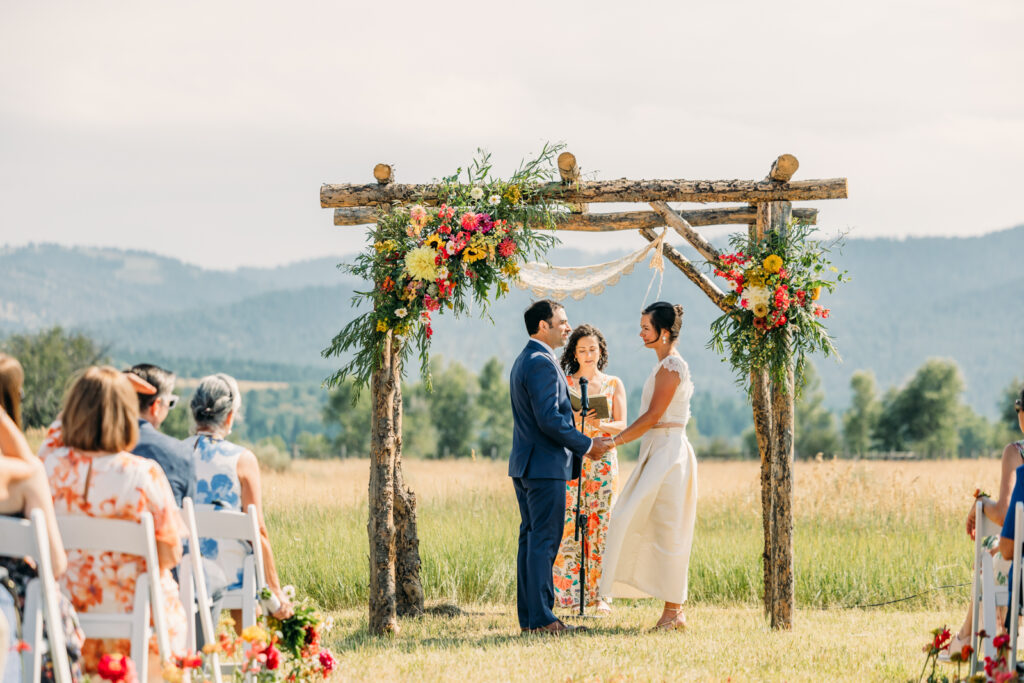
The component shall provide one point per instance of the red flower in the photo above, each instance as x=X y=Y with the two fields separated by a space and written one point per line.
x=273 y=658
x=965 y=652
x=327 y=661
x=430 y=331
x=116 y=668
x=388 y=284
x=507 y=248
x=941 y=638
x=193 y=661
x=1000 y=641
x=783 y=274
x=444 y=229
x=22 y=646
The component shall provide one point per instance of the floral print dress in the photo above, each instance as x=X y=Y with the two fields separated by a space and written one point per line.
x=600 y=478
x=216 y=462
x=115 y=486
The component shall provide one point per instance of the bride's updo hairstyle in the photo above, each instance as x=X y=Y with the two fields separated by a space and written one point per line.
x=667 y=318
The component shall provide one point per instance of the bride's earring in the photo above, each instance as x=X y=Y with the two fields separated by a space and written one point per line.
x=664 y=339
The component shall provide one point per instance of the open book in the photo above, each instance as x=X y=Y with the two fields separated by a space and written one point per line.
x=598 y=402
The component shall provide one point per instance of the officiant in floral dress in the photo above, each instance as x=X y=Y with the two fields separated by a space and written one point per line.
x=585 y=356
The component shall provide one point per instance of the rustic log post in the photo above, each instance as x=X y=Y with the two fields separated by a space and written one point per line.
x=783 y=168
x=381 y=524
x=569 y=171
x=761 y=404
x=783 y=417
x=384 y=174
x=407 y=542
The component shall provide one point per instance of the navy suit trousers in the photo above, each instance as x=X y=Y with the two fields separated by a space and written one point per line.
x=542 y=509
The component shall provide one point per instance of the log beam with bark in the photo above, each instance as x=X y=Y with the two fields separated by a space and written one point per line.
x=622 y=190
x=611 y=222
x=569 y=171
x=683 y=227
x=684 y=264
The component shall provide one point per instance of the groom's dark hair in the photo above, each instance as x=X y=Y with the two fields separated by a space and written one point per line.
x=540 y=310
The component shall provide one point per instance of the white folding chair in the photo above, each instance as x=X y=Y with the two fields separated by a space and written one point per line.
x=238 y=526
x=194 y=596
x=1015 y=587
x=95 y=534
x=28 y=538
x=986 y=596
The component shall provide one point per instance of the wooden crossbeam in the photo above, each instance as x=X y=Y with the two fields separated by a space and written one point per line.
x=683 y=227
x=622 y=190
x=612 y=222
x=684 y=264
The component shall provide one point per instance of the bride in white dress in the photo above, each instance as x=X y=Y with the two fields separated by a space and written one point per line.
x=651 y=529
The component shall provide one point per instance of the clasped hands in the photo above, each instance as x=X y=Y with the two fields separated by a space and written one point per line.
x=601 y=445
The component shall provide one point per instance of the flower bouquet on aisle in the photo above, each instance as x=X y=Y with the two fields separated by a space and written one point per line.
x=272 y=650
x=775 y=318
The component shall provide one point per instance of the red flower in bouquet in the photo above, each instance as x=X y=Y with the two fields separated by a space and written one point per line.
x=327 y=661
x=506 y=248
x=1000 y=641
x=117 y=668
x=273 y=658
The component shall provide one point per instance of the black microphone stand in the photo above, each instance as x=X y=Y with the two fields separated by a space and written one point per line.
x=581 y=513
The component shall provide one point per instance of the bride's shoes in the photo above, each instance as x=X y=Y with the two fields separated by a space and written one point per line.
x=671 y=620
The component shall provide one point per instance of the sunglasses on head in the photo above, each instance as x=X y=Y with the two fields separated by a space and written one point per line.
x=1017 y=406
x=171 y=400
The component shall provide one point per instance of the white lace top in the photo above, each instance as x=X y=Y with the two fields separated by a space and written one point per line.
x=679 y=408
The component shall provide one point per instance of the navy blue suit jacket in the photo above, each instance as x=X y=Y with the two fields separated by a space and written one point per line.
x=545 y=442
x=173 y=456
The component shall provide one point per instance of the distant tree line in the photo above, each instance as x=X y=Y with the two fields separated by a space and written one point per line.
x=470 y=415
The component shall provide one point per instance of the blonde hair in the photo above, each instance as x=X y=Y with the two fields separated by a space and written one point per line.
x=12 y=379
x=101 y=412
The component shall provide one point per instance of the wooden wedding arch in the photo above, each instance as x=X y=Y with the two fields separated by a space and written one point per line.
x=763 y=205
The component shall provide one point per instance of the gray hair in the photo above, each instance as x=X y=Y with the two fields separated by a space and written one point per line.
x=215 y=397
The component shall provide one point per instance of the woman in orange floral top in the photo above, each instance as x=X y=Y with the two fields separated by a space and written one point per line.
x=92 y=473
x=585 y=356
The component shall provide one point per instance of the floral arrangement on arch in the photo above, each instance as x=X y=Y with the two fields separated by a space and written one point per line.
x=460 y=251
x=776 y=285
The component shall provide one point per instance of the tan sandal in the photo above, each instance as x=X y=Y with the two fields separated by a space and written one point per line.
x=675 y=622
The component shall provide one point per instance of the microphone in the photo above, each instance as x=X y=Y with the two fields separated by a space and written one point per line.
x=584 y=401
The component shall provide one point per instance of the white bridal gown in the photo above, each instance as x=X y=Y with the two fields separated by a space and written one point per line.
x=651 y=529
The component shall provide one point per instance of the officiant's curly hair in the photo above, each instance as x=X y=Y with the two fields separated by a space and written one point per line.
x=568 y=361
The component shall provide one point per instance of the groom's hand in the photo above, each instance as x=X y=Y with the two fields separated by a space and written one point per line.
x=600 y=446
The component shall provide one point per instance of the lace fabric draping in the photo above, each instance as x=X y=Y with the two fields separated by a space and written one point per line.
x=557 y=282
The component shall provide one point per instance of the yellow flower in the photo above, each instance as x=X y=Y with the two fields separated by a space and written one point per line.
x=420 y=263
x=172 y=674
x=510 y=269
x=760 y=310
x=731 y=299
x=210 y=648
x=382 y=326
x=386 y=245
x=513 y=194
x=435 y=241
x=253 y=633
x=473 y=254
x=772 y=264
x=502 y=287
x=815 y=293
x=753 y=277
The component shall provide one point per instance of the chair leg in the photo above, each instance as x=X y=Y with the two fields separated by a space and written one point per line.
x=32 y=634
x=140 y=626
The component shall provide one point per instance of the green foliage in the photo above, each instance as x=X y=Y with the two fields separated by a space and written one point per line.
x=779 y=278
x=815 y=425
x=923 y=415
x=272 y=453
x=456 y=255
x=315 y=446
x=1006 y=407
x=50 y=358
x=976 y=436
x=495 y=432
x=453 y=410
x=178 y=423
x=348 y=412
x=860 y=419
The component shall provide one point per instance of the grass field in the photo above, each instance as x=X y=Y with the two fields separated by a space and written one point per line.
x=865 y=533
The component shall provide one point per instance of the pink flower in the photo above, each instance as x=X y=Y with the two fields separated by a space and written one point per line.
x=418 y=215
x=273 y=658
x=1000 y=641
x=327 y=661
x=431 y=303
x=484 y=223
x=469 y=221
x=507 y=248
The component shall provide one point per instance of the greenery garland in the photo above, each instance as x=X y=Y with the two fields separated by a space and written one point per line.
x=776 y=319
x=459 y=251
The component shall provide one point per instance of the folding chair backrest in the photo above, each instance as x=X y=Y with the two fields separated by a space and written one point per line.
x=222 y=524
x=96 y=534
x=195 y=574
x=983 y=525
x=29 y=538
x=1015 y=587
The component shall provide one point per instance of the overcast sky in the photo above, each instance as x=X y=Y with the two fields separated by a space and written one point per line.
x=203 y=130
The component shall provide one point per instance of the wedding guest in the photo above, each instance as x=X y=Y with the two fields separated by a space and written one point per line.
x=995 y=510
x=585 y=357
x=23 y=488
x=172 y=455
x=651 y=532
x=92 y=473
x=228 y=475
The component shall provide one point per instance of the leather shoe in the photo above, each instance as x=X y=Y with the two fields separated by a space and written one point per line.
x=558 y=628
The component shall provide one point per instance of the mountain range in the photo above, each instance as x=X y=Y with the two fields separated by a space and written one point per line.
x=909 y=300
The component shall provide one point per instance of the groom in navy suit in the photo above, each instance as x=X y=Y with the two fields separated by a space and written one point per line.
x=547 y=451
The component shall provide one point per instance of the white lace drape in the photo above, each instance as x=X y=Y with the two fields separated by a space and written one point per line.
x=557 y=283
